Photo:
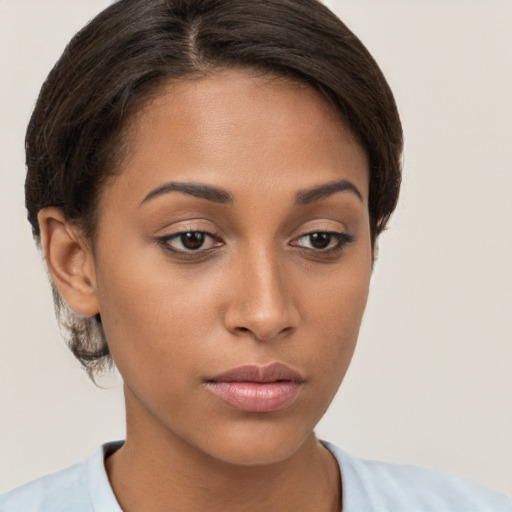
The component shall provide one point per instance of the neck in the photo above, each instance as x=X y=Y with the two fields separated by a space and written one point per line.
x=160 y=472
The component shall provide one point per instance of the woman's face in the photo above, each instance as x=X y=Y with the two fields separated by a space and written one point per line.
x=235 y=236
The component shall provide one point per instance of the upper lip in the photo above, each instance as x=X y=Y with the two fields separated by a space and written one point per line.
x=258 y=373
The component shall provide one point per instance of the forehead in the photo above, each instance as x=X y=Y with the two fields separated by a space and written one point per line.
x=239 y=128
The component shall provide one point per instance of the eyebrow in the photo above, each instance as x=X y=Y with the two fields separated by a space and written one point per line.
x=214 y=194
x=304 y=197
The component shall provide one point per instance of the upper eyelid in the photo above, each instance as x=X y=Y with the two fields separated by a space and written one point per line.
x=337 y=234
x=177 y=234
x=217 y=234
x=321 y=224
x=190 y=226
x=188 y=230
x=211 y=227
x=199 y=223
x=322 y=229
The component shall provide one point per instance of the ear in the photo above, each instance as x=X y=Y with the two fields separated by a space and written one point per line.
x=70 y=261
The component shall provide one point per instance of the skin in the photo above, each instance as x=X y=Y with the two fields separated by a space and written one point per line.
x=257 y=291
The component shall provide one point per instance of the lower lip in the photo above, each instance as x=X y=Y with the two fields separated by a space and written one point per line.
x=256 y=397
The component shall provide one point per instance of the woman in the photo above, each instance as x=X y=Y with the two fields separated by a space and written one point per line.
x=208 y=181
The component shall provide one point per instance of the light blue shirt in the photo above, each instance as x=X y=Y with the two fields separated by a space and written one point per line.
x=368 y=486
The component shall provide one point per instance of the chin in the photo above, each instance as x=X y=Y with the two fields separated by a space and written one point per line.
x=259 y=444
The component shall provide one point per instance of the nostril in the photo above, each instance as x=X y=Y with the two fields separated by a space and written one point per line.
x=265 y=335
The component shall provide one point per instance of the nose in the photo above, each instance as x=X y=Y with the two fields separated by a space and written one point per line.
x=261 y=299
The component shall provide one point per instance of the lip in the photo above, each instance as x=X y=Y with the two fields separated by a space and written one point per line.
x=257 y=388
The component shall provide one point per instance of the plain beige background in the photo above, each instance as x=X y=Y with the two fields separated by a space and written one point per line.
x=431 y=382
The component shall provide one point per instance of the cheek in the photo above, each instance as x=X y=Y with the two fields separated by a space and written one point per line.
x=335 y=309
x=338 y=294
x=151 y=313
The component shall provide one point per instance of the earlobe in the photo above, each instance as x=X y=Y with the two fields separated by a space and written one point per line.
x=69 y=260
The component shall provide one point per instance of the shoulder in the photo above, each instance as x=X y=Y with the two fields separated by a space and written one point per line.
x=371 y=485
x=59 y=491
x=67 y=490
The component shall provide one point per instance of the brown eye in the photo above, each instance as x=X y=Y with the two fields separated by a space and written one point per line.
x=323 y=242
x=320 y=240
x=192 y=240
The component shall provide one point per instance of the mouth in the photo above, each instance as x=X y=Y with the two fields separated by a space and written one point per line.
x=256 y=388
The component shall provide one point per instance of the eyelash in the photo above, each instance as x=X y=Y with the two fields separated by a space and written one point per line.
x=164 y=242
x=342 y=240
